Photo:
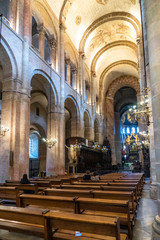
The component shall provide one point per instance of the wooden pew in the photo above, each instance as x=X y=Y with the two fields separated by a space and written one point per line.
x=41 y=223
x=10 y=193
x=96 y=227
x=33 y=219
x=99 y=188
x=104 y=207
x=93 y=194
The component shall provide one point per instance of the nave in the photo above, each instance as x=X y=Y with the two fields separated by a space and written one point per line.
x=75 y=199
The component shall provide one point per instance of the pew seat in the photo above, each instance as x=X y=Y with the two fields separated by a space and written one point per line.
x=59 y=225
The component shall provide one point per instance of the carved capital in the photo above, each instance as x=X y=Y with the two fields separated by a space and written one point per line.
x=62 y=27
x=138 y=40
x=75 y=70
x=82 y=54
x=52 y=43
x=68 y=61
x=93 y=73
x=41 y=29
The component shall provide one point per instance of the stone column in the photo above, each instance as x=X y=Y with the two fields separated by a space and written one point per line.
x=61 y=128
x=13 y=14
x=41 y=31
x=81 y=74
x=52 y=164
x=93 y=91
x=68 y=62
x=117 y=137
x=15 y=145
x=152 y=15
x=27 y=21
x=110 y=126
x=76 y=125
x=53 y=46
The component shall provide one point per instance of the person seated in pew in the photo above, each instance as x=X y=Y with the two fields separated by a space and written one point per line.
x=25 y=180
x=87 y=176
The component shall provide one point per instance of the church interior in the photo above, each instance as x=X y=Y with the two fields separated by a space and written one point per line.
x=79 y=114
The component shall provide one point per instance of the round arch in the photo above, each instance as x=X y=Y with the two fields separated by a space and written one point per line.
x=44 y=85
x=112 y=45
x=118 y=83
x=11 y=68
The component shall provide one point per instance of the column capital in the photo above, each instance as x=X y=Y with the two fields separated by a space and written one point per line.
x=68 y=61
x=41 y=28
x=62 y=27
x=138 y=40
x=93 y=74
x=82 y=54
x=75 y=70
x=52 y=43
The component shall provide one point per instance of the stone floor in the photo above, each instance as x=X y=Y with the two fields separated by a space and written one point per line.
x=142 y=230
x=147 y=210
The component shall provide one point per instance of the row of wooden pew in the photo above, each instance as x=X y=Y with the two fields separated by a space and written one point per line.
x=80 y=200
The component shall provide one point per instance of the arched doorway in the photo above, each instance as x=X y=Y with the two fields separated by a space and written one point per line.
x=40 y=117
x=125 y=127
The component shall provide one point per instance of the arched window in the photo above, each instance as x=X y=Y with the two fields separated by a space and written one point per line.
x=5 y=8
x=47 y=50
x=34 y=146
x=35 y=34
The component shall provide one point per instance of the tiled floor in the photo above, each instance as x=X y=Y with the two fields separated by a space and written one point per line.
x=142 y=230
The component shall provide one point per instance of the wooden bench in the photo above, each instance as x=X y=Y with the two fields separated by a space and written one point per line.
x=100 y=188
x=91 y=227
x=33 y=219
x=10 y=193
x=51 y=224
x=93 y=194
x=104 y=207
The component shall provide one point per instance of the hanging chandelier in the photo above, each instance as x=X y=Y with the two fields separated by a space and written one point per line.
x=145 y=138
x=141 y=112
x=51 y=141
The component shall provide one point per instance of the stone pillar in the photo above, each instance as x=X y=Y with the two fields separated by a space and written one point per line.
x=53 y=46
x=27 y=21
x=110 y=126
x=81 y=75
x=41 y=31
x=93 y=91
x=53 y=164
x=76 y=125
x=91 y=133
x=68 y=62
x=117 y=137
x=152 y=10
x=13 y=14
x=61 y=70
x=15 y=145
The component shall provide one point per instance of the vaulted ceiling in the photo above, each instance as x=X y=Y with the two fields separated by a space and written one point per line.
x=106 y=31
